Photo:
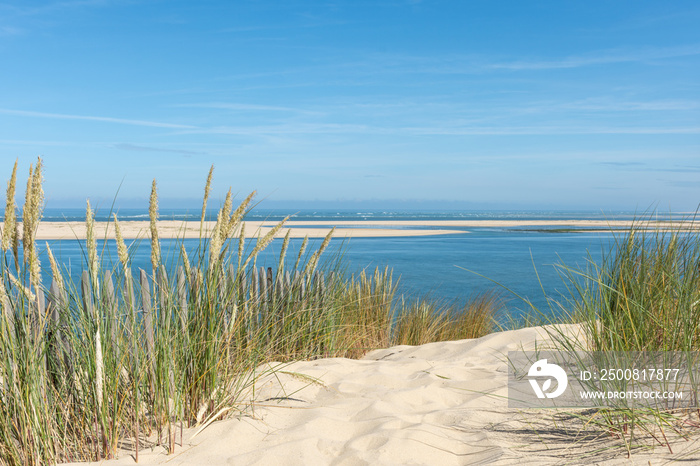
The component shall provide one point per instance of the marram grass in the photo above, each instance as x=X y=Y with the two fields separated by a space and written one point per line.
x=643 y=296
x=124 y=358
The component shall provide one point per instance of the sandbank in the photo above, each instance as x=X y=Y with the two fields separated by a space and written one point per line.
x=178 y=229
x=344 y=229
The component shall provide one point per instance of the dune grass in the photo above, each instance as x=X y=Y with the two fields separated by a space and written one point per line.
x=425 y=321
x=124 y=358
x=643 y=296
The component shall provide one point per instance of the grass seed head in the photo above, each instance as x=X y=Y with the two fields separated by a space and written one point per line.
x=122 y=251
x=283 y=252
x=15 y=245
x=216 y=242
x=34 y=268
x=241 y=243
x=26 y=291
x=153 y=214
x=55 y=270
x=207 y=189
x=37 y=195
x=263 y=242
x=93 y=263
x=9 y=229
x=302 y=248
x=237 y=215
x=313 y=262
x=185 y=261
x=224 y=216
x=99 y=370
x=26 y=216
x=31 y=215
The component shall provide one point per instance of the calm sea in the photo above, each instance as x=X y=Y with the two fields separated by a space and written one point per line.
x=514 y=261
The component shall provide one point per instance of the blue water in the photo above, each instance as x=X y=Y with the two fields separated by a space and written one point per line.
x=446 y=267
x=125 y=214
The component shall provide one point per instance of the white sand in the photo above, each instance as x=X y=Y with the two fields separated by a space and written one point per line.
x=435 y=404
x=179 y=229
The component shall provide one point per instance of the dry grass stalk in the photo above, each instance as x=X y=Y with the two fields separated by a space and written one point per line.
x=313 y=261
x=283 y=253
x=26 y=216
x=122 y=251
x=26 y=291
x=241 y=242
x=15 y=245
x=93 y=266
x=6 y=310
x=93 y=262
x=263 y=242
x=207 y=190
x=216 y=241
x=37 y=196
x=3 y=295
x=185 y=261
x=31 y=214
x=302 y=248
x=34 y=268
x=99 y=368
x=10 y=212
x=225 y=214
x=55 y=270
x=237 y=215
x=153 y=214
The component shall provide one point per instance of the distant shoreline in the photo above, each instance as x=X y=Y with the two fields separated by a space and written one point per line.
x=170 y=229
x=500 y=223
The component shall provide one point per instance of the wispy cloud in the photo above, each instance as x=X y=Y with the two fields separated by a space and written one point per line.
x=681 y=169
x=645 y=21
x=609 y=188
x=10 y=31
x=623 y=106
x=682 y=184
x=447 y=64
x=298 y=128
x=639 y=166
x=246 y=107
x=26 y=10
x=442 y=130
x=623 y=164
x=22 y=142
x=122 y=121
x=601 y=58
x=544 y=130
x=137 y=148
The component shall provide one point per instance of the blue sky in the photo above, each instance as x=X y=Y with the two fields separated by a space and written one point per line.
x=508 y=104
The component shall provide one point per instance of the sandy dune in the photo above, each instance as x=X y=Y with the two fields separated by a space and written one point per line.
x=436 y=404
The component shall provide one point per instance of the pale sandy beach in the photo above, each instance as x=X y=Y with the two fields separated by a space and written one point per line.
x=436 y=404
x=316 y=229
x=179 y=229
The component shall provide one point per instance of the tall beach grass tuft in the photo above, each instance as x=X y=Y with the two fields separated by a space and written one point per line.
x=643 y=296
x=127 y=358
